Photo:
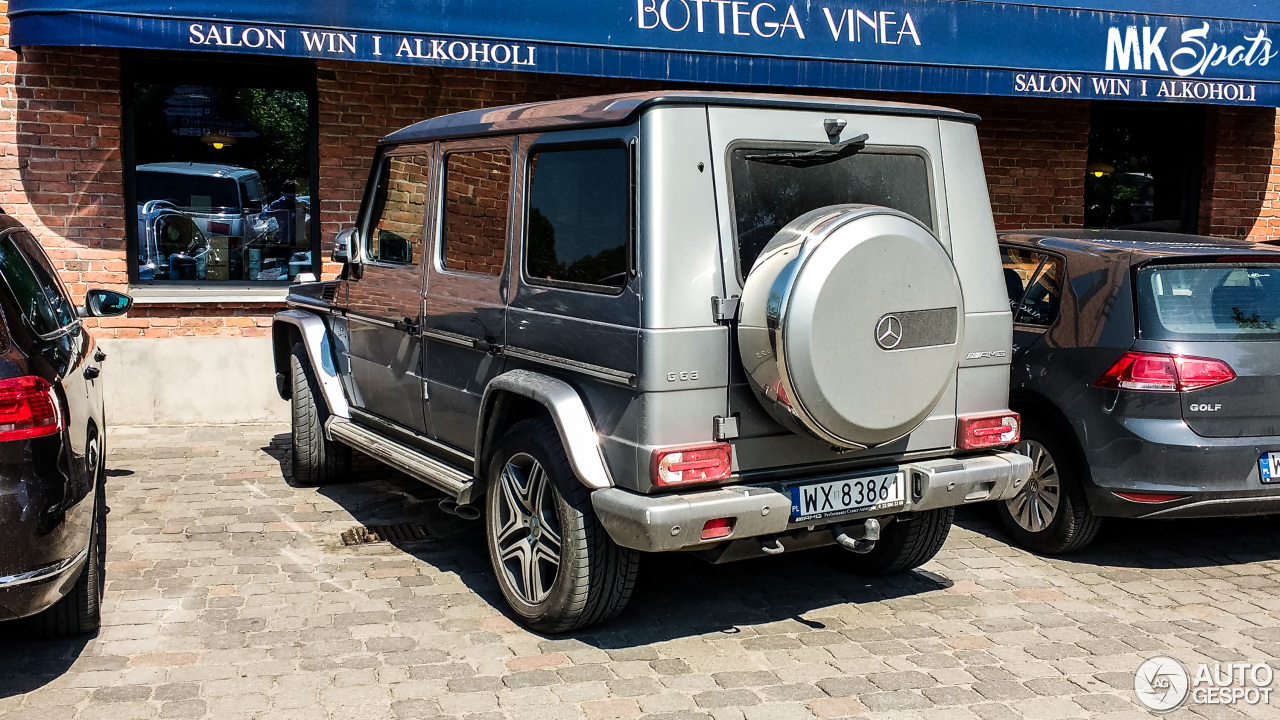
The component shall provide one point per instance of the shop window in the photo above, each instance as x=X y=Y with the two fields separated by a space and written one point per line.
x=1144 y=167
x=578 y=226
x=400 y=210
x=477 y=198
x=220 y=169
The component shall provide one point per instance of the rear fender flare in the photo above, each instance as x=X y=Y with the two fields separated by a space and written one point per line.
x=577 y=432
x=313 y=332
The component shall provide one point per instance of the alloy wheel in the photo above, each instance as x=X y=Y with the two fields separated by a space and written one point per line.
x=526 y=529
x=1035 y=507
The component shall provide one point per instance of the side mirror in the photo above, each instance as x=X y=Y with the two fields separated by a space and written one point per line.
x=346 y=247
x=106 y=303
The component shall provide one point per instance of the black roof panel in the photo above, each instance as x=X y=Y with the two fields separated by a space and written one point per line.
x=604 y=110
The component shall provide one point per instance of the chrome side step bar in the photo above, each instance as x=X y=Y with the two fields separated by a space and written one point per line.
x=457 y=484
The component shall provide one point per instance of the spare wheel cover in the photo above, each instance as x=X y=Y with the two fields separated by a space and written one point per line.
x=863 y=323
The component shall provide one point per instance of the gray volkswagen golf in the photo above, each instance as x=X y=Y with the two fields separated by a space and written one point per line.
x=1147 y=371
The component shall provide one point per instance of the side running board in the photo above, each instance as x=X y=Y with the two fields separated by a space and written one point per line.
x=450 y=480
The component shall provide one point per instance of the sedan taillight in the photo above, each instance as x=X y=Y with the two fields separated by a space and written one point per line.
x=691 y=464
x=28 y=408
x=1157 y=372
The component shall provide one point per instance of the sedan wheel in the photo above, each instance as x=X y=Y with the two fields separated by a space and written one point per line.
x=526 y=529
x=1035 y=507
x=1050 y=514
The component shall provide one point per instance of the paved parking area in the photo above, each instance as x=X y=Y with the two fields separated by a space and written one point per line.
x=230 y=595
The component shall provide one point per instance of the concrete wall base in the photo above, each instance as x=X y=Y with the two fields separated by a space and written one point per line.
x=190 y=380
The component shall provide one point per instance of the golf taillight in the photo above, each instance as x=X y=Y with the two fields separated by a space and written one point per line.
x=28 y=408
x=1157 y=372
x=988 y=431
x=691 y=464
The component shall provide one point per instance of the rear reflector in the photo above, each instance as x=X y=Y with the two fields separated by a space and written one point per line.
x=28 y=409
x=1157 y=372
x=988 y=431
x=718 y=528
x=691 y=464
x=1147 y=497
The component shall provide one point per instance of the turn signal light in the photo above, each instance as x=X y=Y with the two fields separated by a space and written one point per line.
x=717 y=528
x=691 y=464
x=988 y=431
x=1148 y=497
x=28 y=408
x=1157 y=372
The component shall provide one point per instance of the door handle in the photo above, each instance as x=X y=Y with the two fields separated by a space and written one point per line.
x=486 y=346
x=406 y=325
x=92 y=372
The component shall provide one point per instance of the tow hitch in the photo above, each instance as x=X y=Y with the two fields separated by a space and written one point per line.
x=860 y=545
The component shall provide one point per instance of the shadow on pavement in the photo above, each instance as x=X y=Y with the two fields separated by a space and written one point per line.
x=1157 y=544
x=28 y=664
x=676 y=596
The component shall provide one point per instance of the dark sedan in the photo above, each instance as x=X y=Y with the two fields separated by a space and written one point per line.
x=52 y=508
x=1147 y=371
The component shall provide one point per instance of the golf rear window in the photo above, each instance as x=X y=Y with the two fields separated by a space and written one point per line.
x=1218 y=301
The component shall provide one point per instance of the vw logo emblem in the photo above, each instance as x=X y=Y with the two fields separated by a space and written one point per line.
x=889 y=332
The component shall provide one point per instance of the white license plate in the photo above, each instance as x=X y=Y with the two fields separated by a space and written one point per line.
x=841 y=497
x=1269 y=467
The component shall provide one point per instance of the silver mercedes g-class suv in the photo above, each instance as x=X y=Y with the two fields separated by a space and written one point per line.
x=735 y=325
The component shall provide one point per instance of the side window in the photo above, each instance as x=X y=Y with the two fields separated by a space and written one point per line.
x=578 y=224
x=477 y=200
x=1034 y=283
x=35 y=288
x=396 y=224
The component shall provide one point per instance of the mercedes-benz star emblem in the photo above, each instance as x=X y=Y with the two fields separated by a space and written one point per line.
x=889 y=332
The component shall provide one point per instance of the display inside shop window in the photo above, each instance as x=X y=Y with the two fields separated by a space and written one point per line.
x=222 y=183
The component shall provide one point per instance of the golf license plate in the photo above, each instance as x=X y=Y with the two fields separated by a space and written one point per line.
x=841 y=497
x=1269 y=467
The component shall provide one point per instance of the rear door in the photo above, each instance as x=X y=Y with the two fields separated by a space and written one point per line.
x=384 y=305
x=465 y=322
x=1220 y=310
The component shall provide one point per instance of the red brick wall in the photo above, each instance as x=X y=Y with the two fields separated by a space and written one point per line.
x=1240 y=187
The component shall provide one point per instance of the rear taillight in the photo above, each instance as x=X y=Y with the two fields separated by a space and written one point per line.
x=988 y=431
x=691 y=464
x=28 y=409
x=1157 y=372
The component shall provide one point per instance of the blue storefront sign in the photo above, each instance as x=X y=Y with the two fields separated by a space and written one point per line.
x=1223 y=52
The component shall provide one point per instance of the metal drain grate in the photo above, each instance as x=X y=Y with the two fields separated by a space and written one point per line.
x=394 y=534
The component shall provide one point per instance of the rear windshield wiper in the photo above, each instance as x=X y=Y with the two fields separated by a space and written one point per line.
x=809 y=158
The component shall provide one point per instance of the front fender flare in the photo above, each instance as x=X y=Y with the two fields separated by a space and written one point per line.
x=314 y=332
x=577 y=433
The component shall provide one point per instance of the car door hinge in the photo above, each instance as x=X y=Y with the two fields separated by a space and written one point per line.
x=724 y=309
x=726 y=428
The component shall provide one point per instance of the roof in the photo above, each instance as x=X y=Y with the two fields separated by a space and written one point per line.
x=1144 y=245
x=205 y=169
x=606 y=110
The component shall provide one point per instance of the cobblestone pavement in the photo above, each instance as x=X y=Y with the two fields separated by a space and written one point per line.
x=230 y=595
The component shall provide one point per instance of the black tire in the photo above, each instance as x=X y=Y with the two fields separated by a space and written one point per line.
x=80 y=611
x=594 y=577
x=317 y=460
x=1072 y=525
x=905 y=543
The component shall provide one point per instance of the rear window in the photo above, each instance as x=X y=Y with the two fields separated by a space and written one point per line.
x=1209 y=302
x=194 y=192
x=771 y=189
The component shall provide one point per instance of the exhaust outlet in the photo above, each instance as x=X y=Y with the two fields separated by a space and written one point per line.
x=861 y=545
x=467 y=512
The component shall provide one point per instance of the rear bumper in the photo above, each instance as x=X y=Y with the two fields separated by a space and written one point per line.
x=656 y=523
x=1216 y=477
x=30 y=592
